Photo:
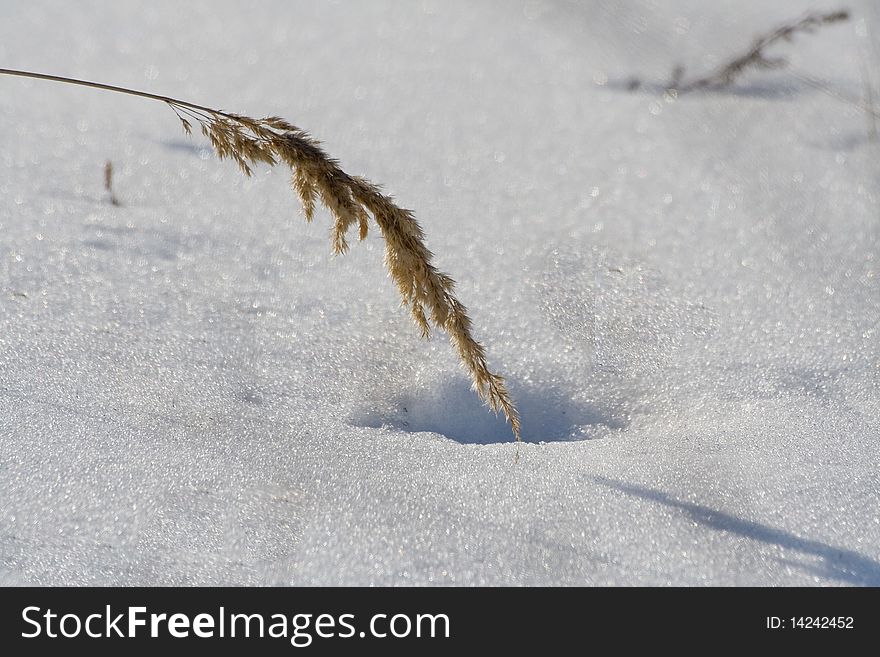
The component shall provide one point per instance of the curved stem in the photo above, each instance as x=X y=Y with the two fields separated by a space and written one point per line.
x=110 y=87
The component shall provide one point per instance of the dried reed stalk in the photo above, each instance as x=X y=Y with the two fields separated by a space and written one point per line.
x=351 y=200
x=108 y=183
x=755 y=57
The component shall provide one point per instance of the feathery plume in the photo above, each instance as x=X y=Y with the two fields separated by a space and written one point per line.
x=351 y=200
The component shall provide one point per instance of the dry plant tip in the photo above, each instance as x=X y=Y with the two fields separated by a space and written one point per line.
x=352 y=201
x=756 y=56
x=108 y=183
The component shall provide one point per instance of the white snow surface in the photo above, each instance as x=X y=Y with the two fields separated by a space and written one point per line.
x=682 y=293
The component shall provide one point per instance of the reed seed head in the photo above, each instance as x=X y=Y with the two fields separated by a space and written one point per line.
x=352 y=200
